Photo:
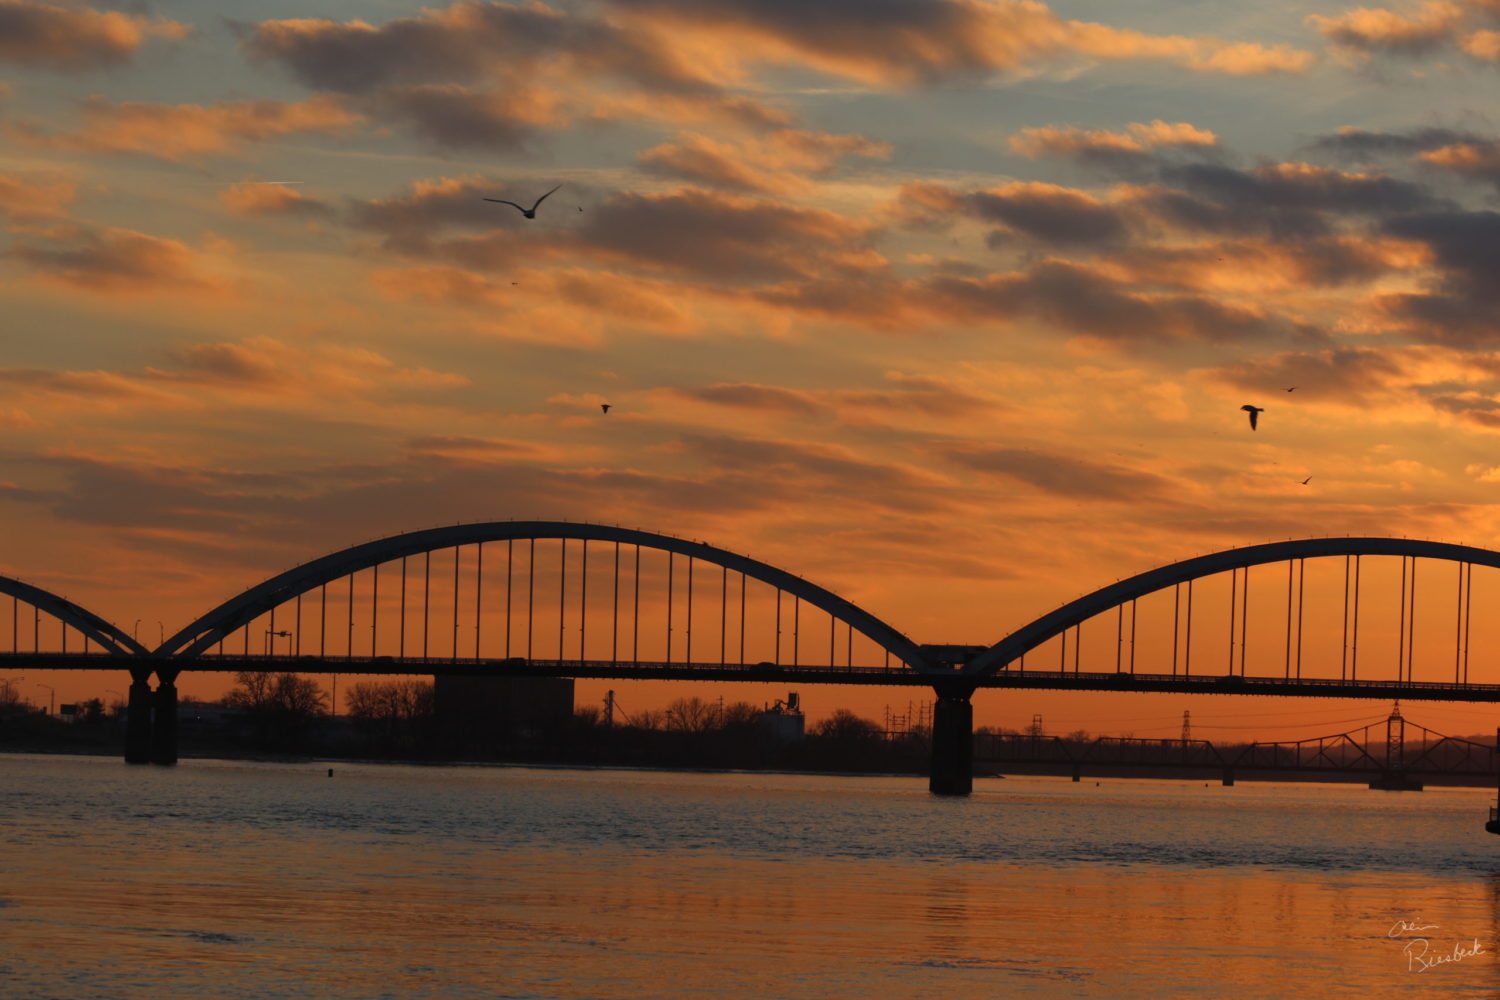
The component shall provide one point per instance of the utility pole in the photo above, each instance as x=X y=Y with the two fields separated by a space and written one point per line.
x=609 y=708
x=1187 y=727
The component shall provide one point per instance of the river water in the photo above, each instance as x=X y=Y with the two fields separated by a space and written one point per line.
x=238 y=879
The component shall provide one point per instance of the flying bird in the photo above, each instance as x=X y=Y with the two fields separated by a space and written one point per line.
x=1307 y=480
x=1291 y=388
x=1254 y=412
x=604 y=407
x=530 y=213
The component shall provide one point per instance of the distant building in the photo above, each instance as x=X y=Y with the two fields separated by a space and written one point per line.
x=783 y=722
x=487 y=714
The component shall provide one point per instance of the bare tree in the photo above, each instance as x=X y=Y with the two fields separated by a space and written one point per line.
x=845 y=726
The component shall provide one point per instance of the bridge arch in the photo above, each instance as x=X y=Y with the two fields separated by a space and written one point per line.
x=244 y=608
x=1050 y=625
x=108 y=636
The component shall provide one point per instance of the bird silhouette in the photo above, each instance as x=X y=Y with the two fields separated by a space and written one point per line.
x=1254 y=412
x=530 y=213
x=604 y=407
x=1291 y=388
x=1307 y=480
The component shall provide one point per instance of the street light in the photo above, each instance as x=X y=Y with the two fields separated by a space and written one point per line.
x=134 y=629
x=51 y=697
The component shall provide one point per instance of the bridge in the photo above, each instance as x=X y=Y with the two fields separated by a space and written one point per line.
x=1394 y=754
x=1334 y=617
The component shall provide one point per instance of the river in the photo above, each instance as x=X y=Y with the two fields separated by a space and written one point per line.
x=241 y=879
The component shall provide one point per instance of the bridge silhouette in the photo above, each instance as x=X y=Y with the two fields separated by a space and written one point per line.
x=570 y=599
x=1393 y=754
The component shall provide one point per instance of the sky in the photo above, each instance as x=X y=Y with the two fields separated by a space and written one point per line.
x=949 y=306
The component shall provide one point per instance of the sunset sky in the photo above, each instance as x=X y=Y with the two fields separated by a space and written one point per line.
x=947 y=305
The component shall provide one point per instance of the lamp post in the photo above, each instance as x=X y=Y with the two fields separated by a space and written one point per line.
x=51 y=697
x=134 y=629
x=271 y=638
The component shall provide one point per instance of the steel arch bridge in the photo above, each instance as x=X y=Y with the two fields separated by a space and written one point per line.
x=108 y=637
x=237 y=612
x=954 y=672
x=1056 y=623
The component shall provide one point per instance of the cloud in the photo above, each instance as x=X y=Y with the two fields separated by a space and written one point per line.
x=1046 y=213
x=726 y=237
x=185 y=131
x=1112 y=149
x=489 y=74
x=778 y=162
x=122 y=262
x=907 y=42
x=749 y=397
x=1369 y=30
x=1087 y=301
x=460 y=118
x=1357 y=376
x=320 y=370
x=1459 y=303
x=1055 y=473
x=1359 y=145
x=622 y=300
x=33 y=196
x=73 y=38
x=271 y=198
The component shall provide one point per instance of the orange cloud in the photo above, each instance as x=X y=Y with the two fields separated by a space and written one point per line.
x=72 y=38
x=32 y=196
x=1139 y=137
x=122 y=262
x=185 y=131
x=270 y=198
x=1367 y=29
x=943 y=40
x=778 y=162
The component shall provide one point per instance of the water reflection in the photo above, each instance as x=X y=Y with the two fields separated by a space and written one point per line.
x=443 y=882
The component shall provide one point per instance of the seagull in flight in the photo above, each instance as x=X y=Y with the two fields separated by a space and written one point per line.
x=1307 y=480
x=604 y=407
x=1292 y=389
x=1254 y=412
x=530 y=213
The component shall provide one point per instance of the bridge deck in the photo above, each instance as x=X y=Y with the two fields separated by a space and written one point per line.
x=894 y=676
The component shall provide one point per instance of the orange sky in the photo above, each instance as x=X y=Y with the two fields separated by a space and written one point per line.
x=948 y=306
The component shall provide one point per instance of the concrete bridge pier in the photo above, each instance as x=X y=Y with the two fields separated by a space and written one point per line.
x=138 y=718
x=164 y=719
x=952 y=740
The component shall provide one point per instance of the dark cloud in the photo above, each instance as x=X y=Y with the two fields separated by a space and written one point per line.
x=1356 y=145
x=1057 y=474
x=727 y=238
x=748 y=396
x=802 y=469
x=457 y=117
x=1082 y=301
x=73 y=38
x=1355 y=375
x=1053 y=216
x=422 y=69
x=1461 y=302
x=117 y=261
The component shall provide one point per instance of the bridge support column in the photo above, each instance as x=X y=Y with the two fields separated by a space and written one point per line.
x=952 y=741
x=138 y=719
x=164 y=721
x=1228 y=776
